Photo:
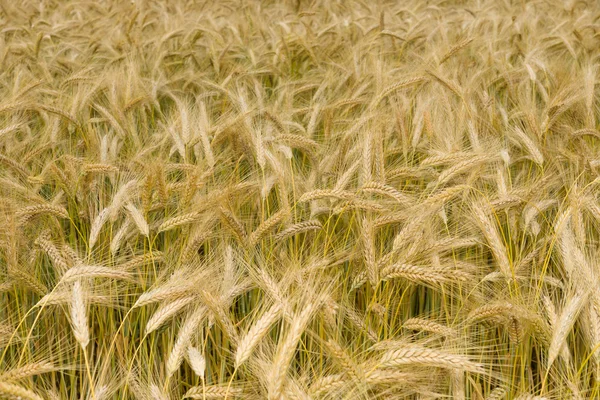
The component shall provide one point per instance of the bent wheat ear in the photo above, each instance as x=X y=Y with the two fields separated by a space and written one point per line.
x=345 y=361
x=494 y=240
x=119 y=236
x=197 y=361
x=398 y=85
x=385 y=190
x=533 y=150
x=328 y=384
x=419 y=324
x=325 y=193
x=267 y=226
x=139 y=219
x=298 y=228
x=157 y=393
x=28 y=213
x=234 y=224
x=53 y=253
x=496 y=394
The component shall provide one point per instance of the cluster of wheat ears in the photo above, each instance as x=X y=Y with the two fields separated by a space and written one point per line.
x=299 y=199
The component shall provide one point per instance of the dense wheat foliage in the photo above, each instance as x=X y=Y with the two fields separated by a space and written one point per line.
x=299 y=199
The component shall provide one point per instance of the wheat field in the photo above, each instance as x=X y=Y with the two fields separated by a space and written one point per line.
x=308 y=199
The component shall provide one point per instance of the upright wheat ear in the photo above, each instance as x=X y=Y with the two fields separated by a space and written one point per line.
x=79 y=315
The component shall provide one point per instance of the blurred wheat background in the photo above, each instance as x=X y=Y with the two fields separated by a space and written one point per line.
x=299 y=199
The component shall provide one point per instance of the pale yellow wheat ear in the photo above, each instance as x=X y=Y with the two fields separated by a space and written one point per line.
x=529 y=145
x=166 y=311
x=197 y=361
x=419 y=324
x=267 y=225
x=214 y=392
x=79 y=320
x=436 y=358
x=564 y=324
x=138 y=218
x=183 y=339
x=179 y=221
x=256 y=332
x=97 y=225
x=93 y=271
x=28 y=213
x=286 y=349
x=493 y=238
x=26 y=371
x=234 y=224
x=13 y=391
